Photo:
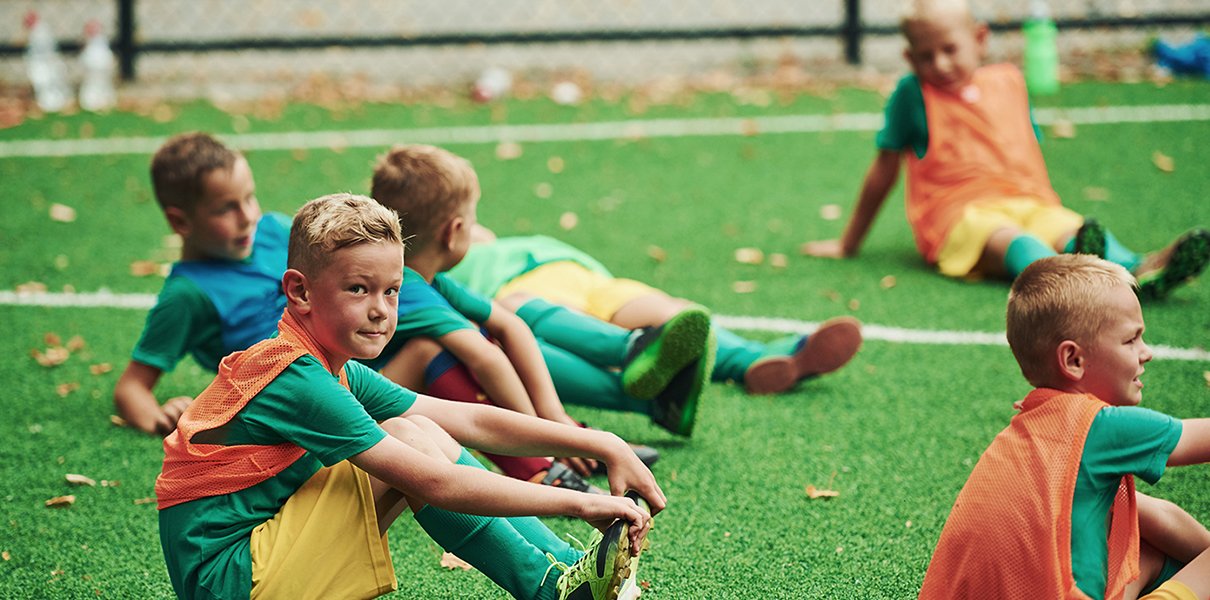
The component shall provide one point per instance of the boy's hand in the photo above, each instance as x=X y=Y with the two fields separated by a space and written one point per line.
x=629 y=473
x=582 y=466
x=824 y=249
x=170 y=413
x=602 y=511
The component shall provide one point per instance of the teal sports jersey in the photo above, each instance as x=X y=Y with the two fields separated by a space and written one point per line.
x=1122 y=440
x=206 y=541
x=488 y=267
x=212 y=308
x=432 y=310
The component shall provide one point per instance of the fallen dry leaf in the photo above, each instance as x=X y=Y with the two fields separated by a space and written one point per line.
x=75 y=344
x=63 y=389
x=450 y=561
x=117 y=421
x=138 y=501
x=887 y=282
x=108 y=483
x=832 y=295
x=100 y=368
x=645 y=584
x=5 y=555
x=52 y=339
x=778 y=260
x=749 y=256
x=61 y=501
x=543 y=190
x=144 y=268
x=62 y=213
x=53 y=357
x=829 y=212
x=31 y=287
x=743 y=287
x=1206 y=374
x=508 y=150
x=554 y=164
x=173 y=241
x=814 y=492
x=62 y=262
x=1096 y=194
x=749 y=128
x=1063 y=129
x=568 y=221
x=657 y=253
x=854 y=304
x=77 y=479
x=1163 y=162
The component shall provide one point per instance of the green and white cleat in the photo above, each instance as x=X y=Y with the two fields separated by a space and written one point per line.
x=602 y=571
x=659 y=353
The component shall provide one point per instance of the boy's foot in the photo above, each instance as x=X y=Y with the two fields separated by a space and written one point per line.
x=600 y=573
x=1090 y=238
x=659 y=353
x=560 y=475
x=675 y=407
x=1173 y=266
x=824 y=351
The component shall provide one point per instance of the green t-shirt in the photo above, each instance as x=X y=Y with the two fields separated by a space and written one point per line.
x=906 y=121
x=488 y=267
x=183 y=321
x=1122 y=440
x=207 y=541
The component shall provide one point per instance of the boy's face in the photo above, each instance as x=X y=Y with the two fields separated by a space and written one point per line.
x=354 y=301
x=223 y=222
x=1114 y=359
x=945 y=50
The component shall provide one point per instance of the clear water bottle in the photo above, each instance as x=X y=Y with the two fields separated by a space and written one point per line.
x=1041 y=50
x=98 y=64
x=45 y=67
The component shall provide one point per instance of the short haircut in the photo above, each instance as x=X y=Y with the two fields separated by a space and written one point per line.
x=924 y=10
x=179 y=168
x=426 y=185
x=329 y=223
x=1055 y=299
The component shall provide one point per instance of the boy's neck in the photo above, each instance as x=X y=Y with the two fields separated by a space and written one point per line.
x=427 y=264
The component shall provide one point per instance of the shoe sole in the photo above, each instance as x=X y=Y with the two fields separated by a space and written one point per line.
x=1090 y=239
x=1188 y=260
x=700 y=378
x=621 y=568
x=683 y=340
x=829 y=348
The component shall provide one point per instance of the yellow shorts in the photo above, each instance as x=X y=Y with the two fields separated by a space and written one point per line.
x=1171 y=590
x=575 y=286
x=964 y=245
x=324 y=542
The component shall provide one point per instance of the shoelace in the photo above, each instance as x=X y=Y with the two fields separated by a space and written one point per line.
x=564 y=567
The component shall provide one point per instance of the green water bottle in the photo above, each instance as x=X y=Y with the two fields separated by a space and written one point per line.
x=1041 y=50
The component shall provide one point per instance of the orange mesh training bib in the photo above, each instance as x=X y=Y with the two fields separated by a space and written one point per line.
x=984 y=148
x=194 y=470
x=1009 y=533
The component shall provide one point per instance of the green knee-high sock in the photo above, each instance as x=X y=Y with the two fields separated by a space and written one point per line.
x=531 y=528
x=580 y=382
x=1115 y=252
x=735 y=355
x=1023 y=251
x=592 y=339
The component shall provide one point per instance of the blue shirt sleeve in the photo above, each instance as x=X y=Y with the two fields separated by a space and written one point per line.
x=473 y=306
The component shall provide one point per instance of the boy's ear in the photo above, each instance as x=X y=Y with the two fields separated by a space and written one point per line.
x=1071 y=360
x=295 y=285
x=981 y=33
x=450 y=231
x=178 y=220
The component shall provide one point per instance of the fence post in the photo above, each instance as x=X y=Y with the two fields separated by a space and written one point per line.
x=125 y=41
x=852 y=31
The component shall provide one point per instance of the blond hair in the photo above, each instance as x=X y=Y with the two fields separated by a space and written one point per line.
x=329 y=223
x=426 y=185
x=1055 y=299
x=180 y=166
x=914 y=11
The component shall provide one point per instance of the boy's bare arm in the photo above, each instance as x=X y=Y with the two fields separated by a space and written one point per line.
x=137 y=404
x=1170 y=529
x=491 y=367
x=518 y=342
x=1194 y=445
x=879 y=180
x=499 y=431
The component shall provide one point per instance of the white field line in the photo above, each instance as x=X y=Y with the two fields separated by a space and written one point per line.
x=898 y=335
x=605 y=130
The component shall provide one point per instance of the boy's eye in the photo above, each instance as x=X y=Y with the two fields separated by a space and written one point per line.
x=392 y=291
x=357 y=288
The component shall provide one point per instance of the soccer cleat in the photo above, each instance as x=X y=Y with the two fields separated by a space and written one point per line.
x=601 y=572
x=659 y=353
x=1090 y=238
x=560 y=475
x=1187 y=257
x=675 y=407
x=830 y=347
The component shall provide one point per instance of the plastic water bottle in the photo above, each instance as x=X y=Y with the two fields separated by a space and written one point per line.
x=1041 y=50
x=45 y=67
x=97 y=63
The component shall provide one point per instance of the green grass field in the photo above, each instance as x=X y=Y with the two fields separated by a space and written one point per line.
x=895 y=433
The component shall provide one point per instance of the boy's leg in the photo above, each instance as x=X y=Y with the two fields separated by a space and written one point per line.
x=1015 y=250
x=823 y=351
x=1162 y=272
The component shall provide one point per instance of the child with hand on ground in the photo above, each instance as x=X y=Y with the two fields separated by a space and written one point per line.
x=284 y=475
x=531 y=361
x=516 y=271
x=979 y=199
x=1050 y=510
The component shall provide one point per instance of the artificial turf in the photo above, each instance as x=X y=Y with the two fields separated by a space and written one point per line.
x=895 y=433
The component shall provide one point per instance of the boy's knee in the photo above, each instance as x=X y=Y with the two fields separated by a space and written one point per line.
x=515 y=300
x=423 y=434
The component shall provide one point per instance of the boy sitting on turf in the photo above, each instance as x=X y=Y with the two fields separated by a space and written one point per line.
x=661 y=370
x=225 y=293
x=1050 y=510
x=519 y=270
x=283 y=476
x=979 y=199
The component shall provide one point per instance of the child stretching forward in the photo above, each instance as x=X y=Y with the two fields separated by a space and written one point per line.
x=282 y=477
x=979 y=199
x=1050 y=510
